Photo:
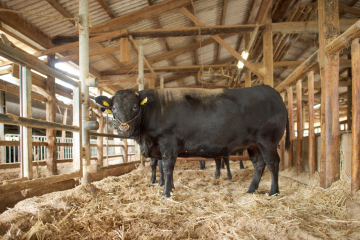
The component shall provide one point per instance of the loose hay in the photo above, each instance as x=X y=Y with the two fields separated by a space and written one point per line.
x=128 y=207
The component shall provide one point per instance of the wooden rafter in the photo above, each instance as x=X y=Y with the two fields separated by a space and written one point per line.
x=222 y=22
x=225 y=45
x=140 y=15
x=55 y=4
x=104 y=5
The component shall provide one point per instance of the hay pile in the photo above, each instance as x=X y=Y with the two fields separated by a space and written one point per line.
x=128 y=207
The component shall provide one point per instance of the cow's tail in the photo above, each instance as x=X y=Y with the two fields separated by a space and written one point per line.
x=287 y=140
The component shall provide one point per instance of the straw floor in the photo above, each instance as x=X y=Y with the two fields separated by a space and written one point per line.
x=128 y=207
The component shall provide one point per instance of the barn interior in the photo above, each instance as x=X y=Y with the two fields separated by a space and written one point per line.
x=62 y=162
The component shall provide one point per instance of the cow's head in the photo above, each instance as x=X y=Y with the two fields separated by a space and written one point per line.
x=125 y=106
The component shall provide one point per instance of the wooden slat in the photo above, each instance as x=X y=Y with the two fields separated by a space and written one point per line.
x=18 y=186
x=299 y=125
x=290 y=96
x=312 y=160
x=61 y=10
x=355 y=147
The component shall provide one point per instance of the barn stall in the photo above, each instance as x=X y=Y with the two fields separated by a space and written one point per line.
x=66 y=173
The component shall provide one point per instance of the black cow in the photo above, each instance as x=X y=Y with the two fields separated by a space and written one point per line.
x=173 y=123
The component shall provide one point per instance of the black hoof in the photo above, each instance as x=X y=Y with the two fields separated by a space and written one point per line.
x=165 y=196
x=161 y=183
x=152 y=181
x=274 y=194
x=229 y=177
x=217 y=177
x=251 y=191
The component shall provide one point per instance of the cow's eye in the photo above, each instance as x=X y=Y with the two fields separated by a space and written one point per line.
x=135 y=107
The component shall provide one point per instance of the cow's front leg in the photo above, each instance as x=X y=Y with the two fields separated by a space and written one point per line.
x=161 y=180
x=218 y=165
x=153 y=163
x=227 y=163
x=168 y=166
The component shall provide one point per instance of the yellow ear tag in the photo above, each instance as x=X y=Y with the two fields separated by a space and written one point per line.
x=143 y=101
x=109 y=111
x=105 y=103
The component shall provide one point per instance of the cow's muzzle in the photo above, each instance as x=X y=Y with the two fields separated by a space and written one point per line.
x=124 y=127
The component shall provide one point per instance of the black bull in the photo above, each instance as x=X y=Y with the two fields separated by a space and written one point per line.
x=173 y=123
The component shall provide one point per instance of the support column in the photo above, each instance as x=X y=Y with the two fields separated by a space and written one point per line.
x=299 y=125
x=26 y=132
x=289 y=163
x=84 y=73
x=329 y=72
x=161 y=82
x=282 y=143
x=2 y=129
x=51 y=152
x=312 y=160
x=141 y=87
x=125 y=155
x=247 y=71
x=355 y=148
x=268 y=51
x=100 y=142
x=63 y=134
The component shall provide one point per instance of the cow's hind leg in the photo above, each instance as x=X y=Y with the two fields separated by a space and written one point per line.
x=226 y=161
x=272 y=160
x=259 y=166
x=242 y=165
x=153 y=163
x=218 y=165
x=223 y=164
x=202 y=165
x=161 y=180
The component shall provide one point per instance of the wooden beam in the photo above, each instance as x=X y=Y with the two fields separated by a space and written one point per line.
x=263 y=11
x=349 y=10
x=279 y=13
x=140 y=15
x=329 y=72
x=51 y=107
x=21 y=25
x=61 y=10
x=268 y=51
x=290 y=96
x=312 y=159
x=307 y=26
x=104 y=5
x=225 y=45
x=299 y=125
x=343 y=40
x=110 y=56
x=222 y=22
x=355 y=147
x=91 y=53
x=146 y=61
x=308 y=65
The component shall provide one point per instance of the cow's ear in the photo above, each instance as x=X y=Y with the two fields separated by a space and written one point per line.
x=104 y=103
x=144 y=101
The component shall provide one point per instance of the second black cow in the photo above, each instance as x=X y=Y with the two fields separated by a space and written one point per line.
x=173 y=123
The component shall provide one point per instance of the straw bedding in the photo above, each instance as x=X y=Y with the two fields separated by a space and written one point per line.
x=128 y=207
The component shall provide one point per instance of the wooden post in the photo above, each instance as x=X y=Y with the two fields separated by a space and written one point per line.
x=63 y=133
x=289 y=163
x=312 y=160
x=100 y=142
x=26 y=132
x=152 y=83
x=268 y=51
x=161 y=82
x=299 y=125
x=355 y=148
x=349 y=100
x=141 y=69
x=2 y=130
x=247 y=71
x=125 y=155
x=329 y=72
x=282 y=144
x=51 y=153
x=125 y=51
